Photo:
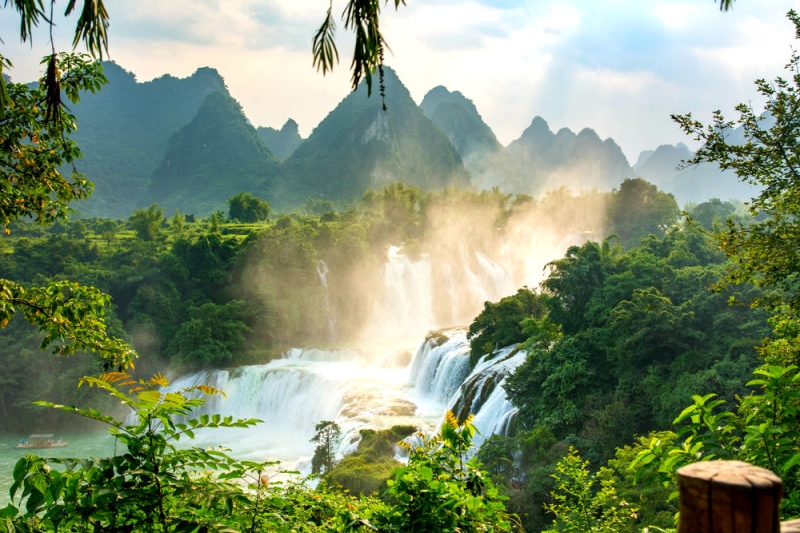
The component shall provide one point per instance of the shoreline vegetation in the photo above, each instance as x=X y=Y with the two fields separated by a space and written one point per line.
x=656 y=310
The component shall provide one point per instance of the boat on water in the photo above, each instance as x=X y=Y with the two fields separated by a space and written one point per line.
x=41 y=440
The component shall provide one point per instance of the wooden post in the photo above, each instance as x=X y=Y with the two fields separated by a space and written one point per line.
x=728 y=497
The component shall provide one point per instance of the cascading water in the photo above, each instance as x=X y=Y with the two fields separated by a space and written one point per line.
x=440 y=367
x=359 y=390
x=322 y=272
x=483 y=395
x=291 y=395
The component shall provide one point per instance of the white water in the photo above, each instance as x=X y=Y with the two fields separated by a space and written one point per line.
x=359 y=390
x=322 y=272
x=291 y=395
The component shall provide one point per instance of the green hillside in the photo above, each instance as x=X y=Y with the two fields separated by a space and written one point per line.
x=458 y=117
x=215 y=156
x=283 y=142
x=360 y=146
x=124 y=129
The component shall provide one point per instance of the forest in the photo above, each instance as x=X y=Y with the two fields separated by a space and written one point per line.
x=664 y=337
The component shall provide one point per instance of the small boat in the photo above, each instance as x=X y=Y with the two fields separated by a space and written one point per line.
x=41 y=440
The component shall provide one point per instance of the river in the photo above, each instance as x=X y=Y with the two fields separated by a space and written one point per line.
x=411 y=380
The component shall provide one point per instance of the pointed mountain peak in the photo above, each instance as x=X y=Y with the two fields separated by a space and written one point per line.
x=290 y=128
x=395 y=90
x=433 y=98
x=281 y=142
x=215 y=156
x=360 y=146
x=537 y=132
x=588 y=134
x=457 y=116
x=211 y=76
x=116 y=73
x=644 y=155
x=565 y=133
x=440 y=96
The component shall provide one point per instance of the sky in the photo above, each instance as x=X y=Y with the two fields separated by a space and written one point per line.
x=620 y=67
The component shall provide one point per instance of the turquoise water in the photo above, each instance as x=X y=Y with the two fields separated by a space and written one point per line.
x=81 y=445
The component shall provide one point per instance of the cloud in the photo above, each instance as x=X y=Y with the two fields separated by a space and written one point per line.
x=617 y=66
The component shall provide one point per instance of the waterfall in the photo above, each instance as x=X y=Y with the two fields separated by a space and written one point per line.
x=440 y=373
x=405 y=308
x=483 y=395
x=375 y=389
x=322 y=272
x=411 y=292
x=294 y=393
x=440 y=366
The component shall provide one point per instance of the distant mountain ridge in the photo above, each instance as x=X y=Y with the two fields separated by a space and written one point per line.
x=186 y=144
x=123 y=132
x=217 y=155
x=283 y=142
x=360 y=146
x=665 y=168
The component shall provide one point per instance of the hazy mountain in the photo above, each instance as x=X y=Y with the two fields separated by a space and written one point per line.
x=541 y=160
x=283 y=142
x=155 y=142
x=123 y=132
x=458 y=117
x=359 y=146
x=217 y=155
x=663 y=167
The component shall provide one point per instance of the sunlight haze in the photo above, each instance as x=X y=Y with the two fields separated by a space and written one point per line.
x=620 y=67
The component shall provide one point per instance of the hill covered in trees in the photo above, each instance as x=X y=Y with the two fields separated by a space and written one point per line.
x=162 y=142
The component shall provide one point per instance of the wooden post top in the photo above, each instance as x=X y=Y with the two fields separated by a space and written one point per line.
x=728 y=497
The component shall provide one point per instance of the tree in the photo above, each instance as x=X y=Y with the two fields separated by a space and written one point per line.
x=764 y=251
x=34 y=144
x=177 y=221
x=580 y=506
x=714 y=210
x=361 y=16
x=147 y=222
x=443 y=488
x=245 y=207
x=639 y=209
x=500 y=324
x=327 y=437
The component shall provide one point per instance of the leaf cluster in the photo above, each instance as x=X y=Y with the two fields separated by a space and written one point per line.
x=761 y=431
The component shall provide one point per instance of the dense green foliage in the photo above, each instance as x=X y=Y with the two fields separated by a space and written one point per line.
x=68 y=315
x=245 y=207
x=367 y=469
x=618 y=342
x=640 y=330
x=639 y=209
x=216 y=292
x=500 y=324
x=581 y=505
x=155 y=485
x=442 y=489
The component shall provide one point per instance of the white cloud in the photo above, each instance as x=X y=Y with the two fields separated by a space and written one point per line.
x=618 y=66
x=677 y=15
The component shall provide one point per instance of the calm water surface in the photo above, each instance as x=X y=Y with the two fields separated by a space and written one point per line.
x=81 y=445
